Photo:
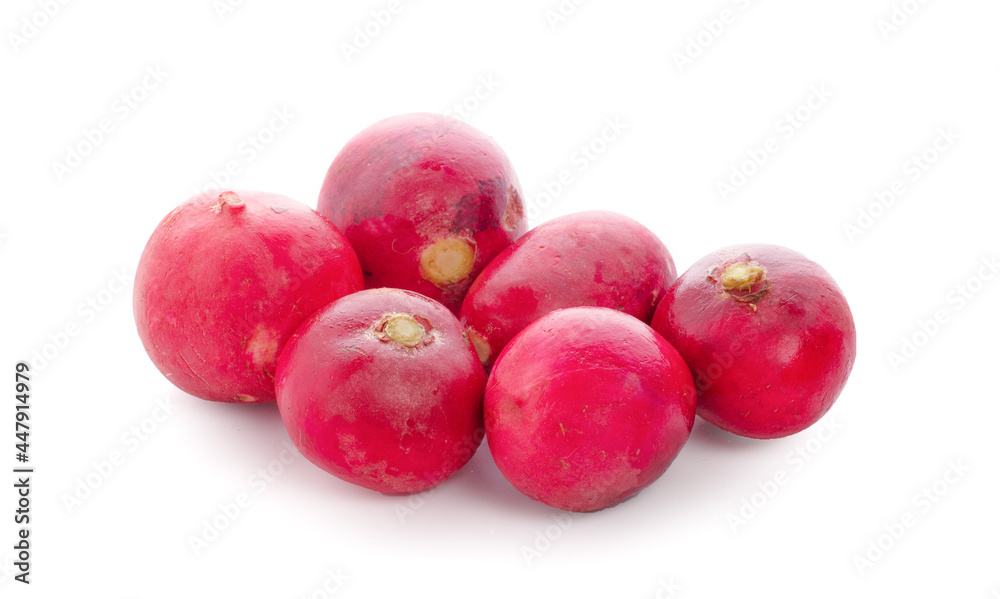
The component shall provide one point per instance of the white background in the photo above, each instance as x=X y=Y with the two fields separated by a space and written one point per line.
x=897 y=430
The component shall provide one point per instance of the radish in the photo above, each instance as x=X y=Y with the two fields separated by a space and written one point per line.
x=382 y=389
x=586 y=407
x=768 y=335
x=593 y=258
x=427 y=201
x=223 y=282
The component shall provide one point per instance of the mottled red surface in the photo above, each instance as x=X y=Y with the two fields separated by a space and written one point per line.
x=586 y=407
x=221 y=286
x=594 y=258
x=770 y=363
x=411 y=180
x=372 y=411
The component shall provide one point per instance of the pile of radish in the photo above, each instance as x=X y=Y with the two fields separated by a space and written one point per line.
x=413 y=314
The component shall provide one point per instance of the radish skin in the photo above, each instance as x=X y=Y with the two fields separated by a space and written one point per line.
x=382 y=390
x=426 y=201
x=595 y=258
x=768 y=335
x=586 y=407
x=225 y=279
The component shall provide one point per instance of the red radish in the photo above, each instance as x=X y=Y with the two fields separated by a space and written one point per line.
x=225 y=279
x=586 y=407
x=593 y=258
x=768 y=335
x=427 y=201
x=383 y=390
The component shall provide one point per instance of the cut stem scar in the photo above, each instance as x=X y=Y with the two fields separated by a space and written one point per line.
x=741 y=276
x=404 y=329
x=447 y=261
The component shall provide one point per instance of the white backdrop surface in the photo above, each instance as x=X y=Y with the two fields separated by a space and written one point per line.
x=860 y=133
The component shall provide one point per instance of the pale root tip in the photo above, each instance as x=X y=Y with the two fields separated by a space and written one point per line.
x=479 y=344
x=230 y=200
x=447 y=261
x=741 y=276
x=404 y=330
